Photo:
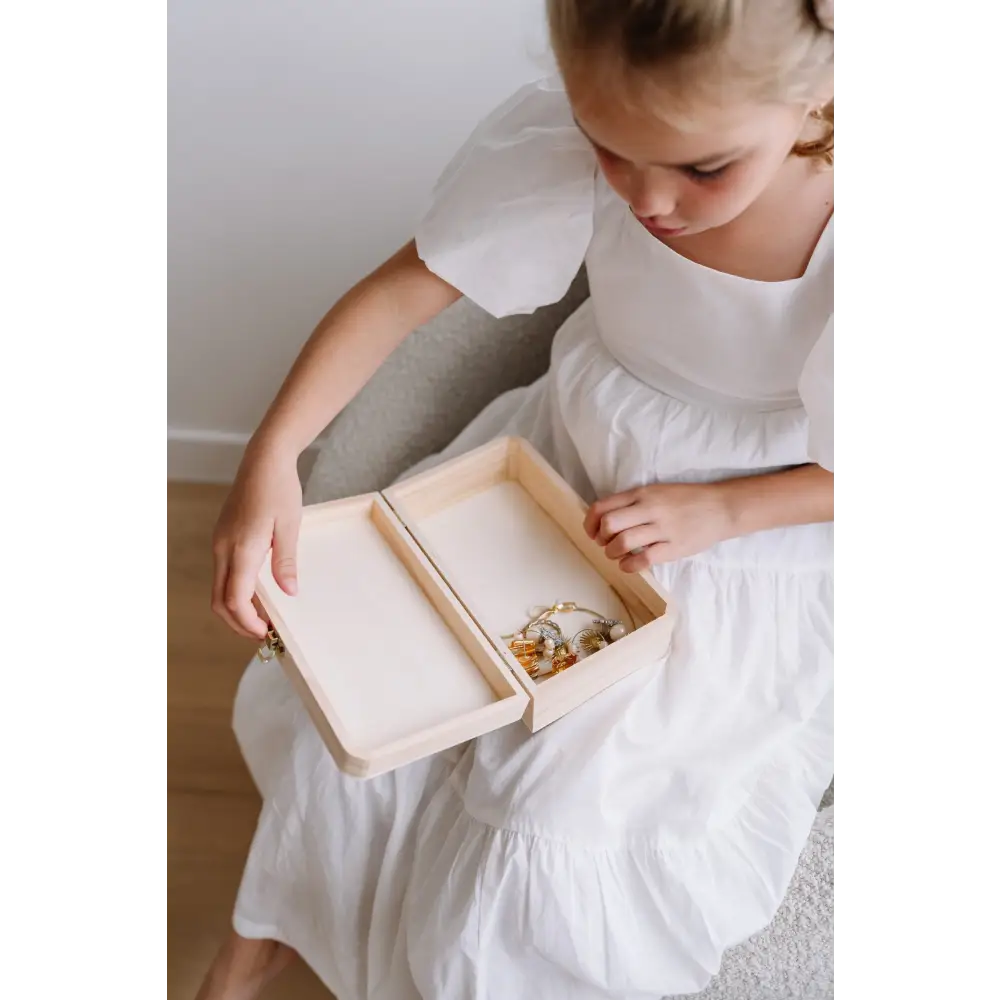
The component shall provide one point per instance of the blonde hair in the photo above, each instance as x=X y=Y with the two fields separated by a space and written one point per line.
x=769 y=49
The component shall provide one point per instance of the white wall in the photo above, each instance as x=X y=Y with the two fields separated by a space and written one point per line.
x=305 y=136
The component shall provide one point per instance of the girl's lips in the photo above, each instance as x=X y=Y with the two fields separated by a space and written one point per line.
x=660 y=230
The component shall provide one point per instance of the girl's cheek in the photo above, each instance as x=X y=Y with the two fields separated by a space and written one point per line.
x=616 y=175
x=702 y=207
x=748 y=183
x=721 y=202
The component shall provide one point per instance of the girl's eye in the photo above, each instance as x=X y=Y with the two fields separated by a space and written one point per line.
x=706 y=175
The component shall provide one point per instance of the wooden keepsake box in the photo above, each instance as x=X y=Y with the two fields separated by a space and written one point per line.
x=395 y=641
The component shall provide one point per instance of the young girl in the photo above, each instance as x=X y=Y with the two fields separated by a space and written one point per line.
x=685 y=156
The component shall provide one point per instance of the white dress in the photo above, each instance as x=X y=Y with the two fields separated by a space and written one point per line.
x=621 y=850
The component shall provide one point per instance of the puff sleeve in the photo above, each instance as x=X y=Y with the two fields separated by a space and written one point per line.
x=512 y=215
x=816 y=392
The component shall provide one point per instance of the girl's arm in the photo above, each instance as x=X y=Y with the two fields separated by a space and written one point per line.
x=779 y=499
x=664 y=522
x=347 y=348
x=264 y=507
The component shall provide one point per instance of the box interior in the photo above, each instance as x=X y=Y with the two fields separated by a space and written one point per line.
x=368 y=636
x=505 y=555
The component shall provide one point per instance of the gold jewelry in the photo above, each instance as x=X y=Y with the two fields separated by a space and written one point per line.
x=551 y=647
x=562 y=659
x=525 y=651
x=589 y=641
x=611 y=628
x=549 y=631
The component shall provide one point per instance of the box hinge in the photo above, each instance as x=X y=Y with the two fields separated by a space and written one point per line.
x=272 y=645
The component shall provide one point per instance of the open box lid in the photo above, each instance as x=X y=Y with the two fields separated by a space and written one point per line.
x=394 y=641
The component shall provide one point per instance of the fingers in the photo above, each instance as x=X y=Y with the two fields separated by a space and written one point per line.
x=259 y=608
x=283 y=556
x=219 y=583
x=616 y=521
x=243 y=569
x=661 y=552
x=592 y=521
x=627 y=541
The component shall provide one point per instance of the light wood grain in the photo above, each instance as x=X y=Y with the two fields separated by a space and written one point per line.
x=514 y=461
x=454 y=480
x=339 y=621
x=211 y=802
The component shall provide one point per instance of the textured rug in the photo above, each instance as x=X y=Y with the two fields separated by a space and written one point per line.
x=792 y=959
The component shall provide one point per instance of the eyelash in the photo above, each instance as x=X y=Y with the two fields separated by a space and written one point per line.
x=706 y=175
x=693 y=172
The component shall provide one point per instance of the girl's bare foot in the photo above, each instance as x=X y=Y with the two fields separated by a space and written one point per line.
x=243 y=967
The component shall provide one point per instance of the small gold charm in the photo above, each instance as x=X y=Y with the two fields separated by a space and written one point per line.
x=562 y=659
x=589 y=641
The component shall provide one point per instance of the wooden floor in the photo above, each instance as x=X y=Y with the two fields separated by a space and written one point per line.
x=212 y=803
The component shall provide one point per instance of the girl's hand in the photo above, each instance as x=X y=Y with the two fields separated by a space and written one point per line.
x=263 y=510
x=661 y=523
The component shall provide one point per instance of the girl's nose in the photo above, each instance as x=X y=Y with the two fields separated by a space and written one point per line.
x=651 y=196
